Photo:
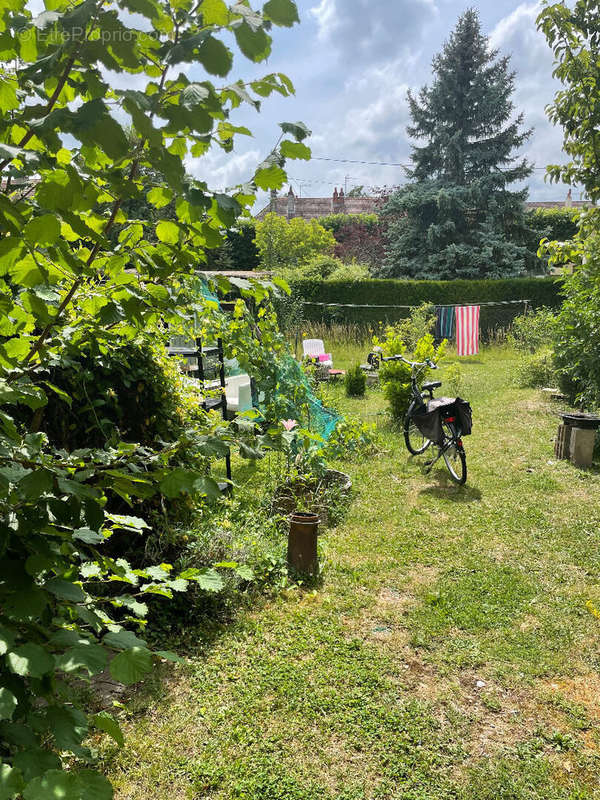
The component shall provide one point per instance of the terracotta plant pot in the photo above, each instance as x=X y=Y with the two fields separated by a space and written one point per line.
x=302 y=543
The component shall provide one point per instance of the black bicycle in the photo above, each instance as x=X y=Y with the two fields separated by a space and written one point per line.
x=435 y=421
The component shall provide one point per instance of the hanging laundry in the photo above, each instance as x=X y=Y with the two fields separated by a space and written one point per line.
x=467 y=330
x=444 y=328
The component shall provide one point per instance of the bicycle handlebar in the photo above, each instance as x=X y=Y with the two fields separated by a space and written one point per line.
x=412 y=364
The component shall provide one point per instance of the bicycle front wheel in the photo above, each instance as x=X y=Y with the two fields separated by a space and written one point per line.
x=415 y=442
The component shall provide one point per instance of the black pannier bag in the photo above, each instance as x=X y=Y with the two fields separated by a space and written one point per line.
x=429 y=420
x=465 y=416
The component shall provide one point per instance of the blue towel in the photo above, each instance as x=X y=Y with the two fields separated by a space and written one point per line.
x=444 y=328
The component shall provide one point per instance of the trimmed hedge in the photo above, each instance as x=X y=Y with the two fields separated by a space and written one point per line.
x=539 y=291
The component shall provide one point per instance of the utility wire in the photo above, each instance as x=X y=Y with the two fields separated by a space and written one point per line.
x=372 y=163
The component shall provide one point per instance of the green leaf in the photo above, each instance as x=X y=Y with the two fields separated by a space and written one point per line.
x=68 y=725
x=91 y=657
x=127 y=523
x=169 y=656
x=37 y=483
x=167 y=232
x=88 y=536
x=160 y=196
x=65 y=590
x=7 y=639
x=8 y=703
x=214 y=12
x=215 y=57
x=25 y=604
x=295 y=150
x=53 y=785
x=177 y=481
x=104 y=722
x=207 y=579
x=59 y=392
x=35 y=762
x=130 y=666
x=296 y=129
x=8 y=94
x=11 y=781
x=245 y=572
x=123 y=640
x=272 y=177
x=44 y=230
x=282 y=12
x=69 y=486
x=30 y=661
x=254 y=44
x=93 y=786
x=207 y=486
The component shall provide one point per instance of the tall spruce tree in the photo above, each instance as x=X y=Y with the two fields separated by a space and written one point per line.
x=457 y=217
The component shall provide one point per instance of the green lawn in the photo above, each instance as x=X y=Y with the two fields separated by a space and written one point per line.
x=448 y=653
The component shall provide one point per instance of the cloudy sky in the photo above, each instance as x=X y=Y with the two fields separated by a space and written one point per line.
x=352 y=62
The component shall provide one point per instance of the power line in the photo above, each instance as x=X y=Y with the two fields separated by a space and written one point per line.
x=376 y=163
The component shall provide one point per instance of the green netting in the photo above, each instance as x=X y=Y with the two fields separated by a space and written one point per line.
x=293 y=383
x=293 y=387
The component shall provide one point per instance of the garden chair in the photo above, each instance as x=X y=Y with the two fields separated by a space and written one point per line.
x=238 y=394
x=314 y=350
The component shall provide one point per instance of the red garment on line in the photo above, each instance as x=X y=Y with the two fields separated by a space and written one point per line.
x=467 y=330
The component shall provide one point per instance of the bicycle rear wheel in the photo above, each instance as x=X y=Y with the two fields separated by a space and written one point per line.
x=415 y=442
x=454 y=456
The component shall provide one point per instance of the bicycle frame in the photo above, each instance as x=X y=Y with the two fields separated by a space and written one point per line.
x=451 y=432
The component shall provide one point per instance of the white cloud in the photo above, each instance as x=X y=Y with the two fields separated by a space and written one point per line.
x=223 y=170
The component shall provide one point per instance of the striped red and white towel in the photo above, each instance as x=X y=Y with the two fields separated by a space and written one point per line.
x=467 y=330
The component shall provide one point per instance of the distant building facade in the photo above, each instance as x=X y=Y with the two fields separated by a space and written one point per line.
x=290 y=206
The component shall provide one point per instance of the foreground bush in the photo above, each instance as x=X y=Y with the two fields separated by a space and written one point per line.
x=68 y=608
x=355 y=381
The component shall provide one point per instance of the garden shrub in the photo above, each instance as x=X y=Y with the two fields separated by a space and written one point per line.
x=317 y=268
x=284 y=244
x=350 y=272
x=70 y=610
x=453 y=378
x=351 y=439
x=395 y=379
x=130 y=393
x=395 y=376
x=531 y=331
x=355 y=381
x=359 y=237
x=536 y=369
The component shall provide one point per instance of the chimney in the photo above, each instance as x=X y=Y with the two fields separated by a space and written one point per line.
x=569 y=200
x=273 y=201
x=337 y=202
x=291 y=204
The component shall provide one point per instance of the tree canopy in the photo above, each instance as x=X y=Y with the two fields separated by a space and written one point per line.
x=457 y=217
x=572 y=33
x=100 y=115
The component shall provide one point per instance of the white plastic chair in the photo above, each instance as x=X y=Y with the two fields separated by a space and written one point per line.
x=238 y=394
x=313 y=348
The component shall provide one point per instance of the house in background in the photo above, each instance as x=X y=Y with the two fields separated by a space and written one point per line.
x=290 y=206
x=308 y=208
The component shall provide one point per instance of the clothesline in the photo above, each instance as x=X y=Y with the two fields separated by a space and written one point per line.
x=438 y=305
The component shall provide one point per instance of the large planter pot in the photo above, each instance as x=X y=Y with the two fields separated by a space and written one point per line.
x=316 y=494
x=302 y=543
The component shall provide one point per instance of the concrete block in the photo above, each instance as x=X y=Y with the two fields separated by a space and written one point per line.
x=581 y=446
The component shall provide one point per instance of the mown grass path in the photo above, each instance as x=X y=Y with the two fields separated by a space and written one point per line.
x=448 y=654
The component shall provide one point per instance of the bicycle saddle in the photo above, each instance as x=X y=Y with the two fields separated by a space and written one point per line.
x=431 y=385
